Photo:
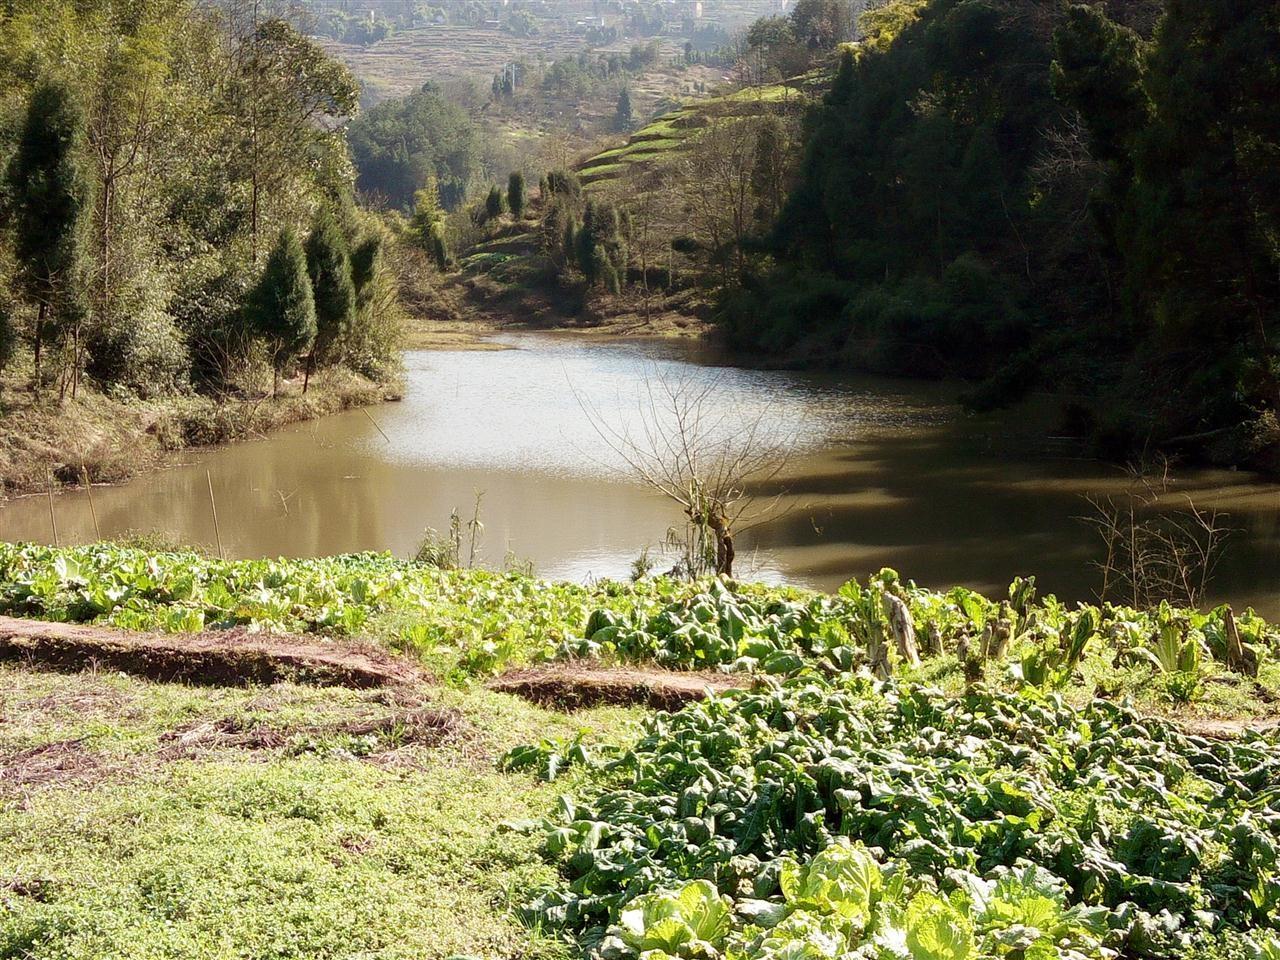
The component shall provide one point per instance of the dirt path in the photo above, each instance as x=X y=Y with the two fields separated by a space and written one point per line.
x=1226 y=729
x=232 y=657
x=570 y=687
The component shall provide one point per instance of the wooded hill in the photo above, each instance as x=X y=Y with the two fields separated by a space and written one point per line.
x=1032 y=195
x=155 y=153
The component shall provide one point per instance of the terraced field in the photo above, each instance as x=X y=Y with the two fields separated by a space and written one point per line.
x=405 y=61
x=672 y=132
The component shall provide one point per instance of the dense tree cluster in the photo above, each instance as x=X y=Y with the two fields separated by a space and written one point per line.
x=1084 y=198
x=778 y=47
x=399 y=144
x=152 y=153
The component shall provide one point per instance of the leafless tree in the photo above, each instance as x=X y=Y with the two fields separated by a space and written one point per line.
x=690 y=445
x=717 y=171
x=1152 y=553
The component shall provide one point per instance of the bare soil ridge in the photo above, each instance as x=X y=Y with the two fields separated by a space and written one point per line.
x=227 y=658
x=569 y=687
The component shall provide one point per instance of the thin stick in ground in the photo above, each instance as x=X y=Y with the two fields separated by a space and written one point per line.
x=213 y=506
x=53 y=520
x=93 y=512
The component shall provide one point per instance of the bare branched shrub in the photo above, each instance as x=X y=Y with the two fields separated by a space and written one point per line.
x=700 y=451
x=1150 y=551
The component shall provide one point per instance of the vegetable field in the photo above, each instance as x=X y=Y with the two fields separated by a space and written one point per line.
x=905 y=774
x=849 y=818
x=474 y=622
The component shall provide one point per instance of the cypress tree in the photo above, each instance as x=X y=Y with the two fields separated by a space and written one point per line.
x=564 y=183
x=439 y=247
x=282 y=309
x=622 y=116
x=585 y=248
x=52 y=197
x=332 y=288
x=426 y=211
x=364 y=264
x=493 y=203
x=515 y=194
x=570 y=242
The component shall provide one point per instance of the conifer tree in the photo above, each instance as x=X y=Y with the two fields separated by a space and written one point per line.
x=364 y=264
x=426 y=212
x=570 y=242
x=282 y=309
x=332 y=288
x=622 y=116
x=51 y=199
x=439 y=247
x=515 y=194
x=493 y=203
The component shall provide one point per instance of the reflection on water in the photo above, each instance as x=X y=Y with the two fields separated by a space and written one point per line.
x=886 y=474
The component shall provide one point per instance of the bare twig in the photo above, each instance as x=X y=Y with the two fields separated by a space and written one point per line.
x=1150 y=553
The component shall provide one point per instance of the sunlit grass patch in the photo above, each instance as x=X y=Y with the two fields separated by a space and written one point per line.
x=301 y=851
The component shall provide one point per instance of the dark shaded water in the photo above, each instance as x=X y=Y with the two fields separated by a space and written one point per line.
x=885 y=473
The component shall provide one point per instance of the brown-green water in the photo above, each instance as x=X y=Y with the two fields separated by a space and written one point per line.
x=886 y=473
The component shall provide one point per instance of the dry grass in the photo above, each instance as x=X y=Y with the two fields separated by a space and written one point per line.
x=113 y=439
x=409 y=58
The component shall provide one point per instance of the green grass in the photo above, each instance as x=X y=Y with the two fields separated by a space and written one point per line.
x=300 y=851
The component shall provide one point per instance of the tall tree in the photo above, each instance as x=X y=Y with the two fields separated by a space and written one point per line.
x=296 y=96
x=821 y=24
x=122 y=124
x=282 y=309
x=493 y=203
x=364 y=265
x=515 y=194
x=1191 y=207
x=52 y=199
x=397 y=144
x=622 y=115
x=329 y=267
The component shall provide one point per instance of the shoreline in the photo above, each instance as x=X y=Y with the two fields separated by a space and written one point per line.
x=112 y=441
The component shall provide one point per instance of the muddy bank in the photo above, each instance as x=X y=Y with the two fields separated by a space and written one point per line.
x=110 y=440
x=565 y=687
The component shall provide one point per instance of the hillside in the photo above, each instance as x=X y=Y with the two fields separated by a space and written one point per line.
x=509 y=269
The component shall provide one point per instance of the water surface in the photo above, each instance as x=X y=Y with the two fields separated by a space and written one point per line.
x=883 y=473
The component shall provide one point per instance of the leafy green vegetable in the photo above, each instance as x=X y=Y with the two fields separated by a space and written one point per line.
x=848 y=817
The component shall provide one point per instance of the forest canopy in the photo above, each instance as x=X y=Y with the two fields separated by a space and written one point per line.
x=1082 y=198
x=399 y=144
